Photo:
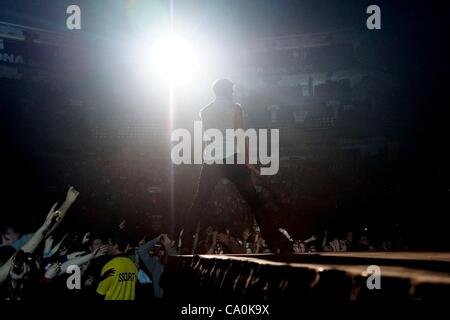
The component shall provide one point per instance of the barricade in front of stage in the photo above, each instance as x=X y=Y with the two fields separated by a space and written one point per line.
x=297 y=278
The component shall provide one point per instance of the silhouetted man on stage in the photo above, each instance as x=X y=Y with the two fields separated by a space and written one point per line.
x=222 y=114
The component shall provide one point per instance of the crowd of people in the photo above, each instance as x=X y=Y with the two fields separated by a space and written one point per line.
x=104 y=267
x=113 y=267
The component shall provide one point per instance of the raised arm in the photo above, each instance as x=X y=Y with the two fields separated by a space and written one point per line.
x=143 y=250
x=213 y=243
x=71 y=196
x=196 y=237
x=52 y=217
x=169 y=245
x=56 y=248
x=85 y=258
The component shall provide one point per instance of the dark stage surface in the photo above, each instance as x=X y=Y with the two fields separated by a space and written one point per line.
x=283 y=279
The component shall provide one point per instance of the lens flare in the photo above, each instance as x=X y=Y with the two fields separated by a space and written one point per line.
x=174 y=59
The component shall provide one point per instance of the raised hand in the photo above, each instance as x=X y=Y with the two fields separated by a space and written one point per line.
x=89 y=281
x=20 y=269
x=334 y=245
x=165 y=241
x=72 y=194
x=161 y=236
x=122 y=225
x=52 y=217
x=86 y=238
x=196 y=236
x=286 y=234
x=180 y=240
x=61 y=241
x=75 y=255
x=197 y=228
x=100 y=251
x=53 y=271
x=108 y=273
x=49 y=244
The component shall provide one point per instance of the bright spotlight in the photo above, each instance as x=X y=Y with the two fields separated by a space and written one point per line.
x=174 y=59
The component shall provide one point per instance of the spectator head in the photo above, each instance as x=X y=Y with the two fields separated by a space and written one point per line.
x=349 y=236
x=95 y=244
x=142 y=241
x=364 y=240
x=23 y=266
x=117 y=244
x=223 y=88
x=9 y=234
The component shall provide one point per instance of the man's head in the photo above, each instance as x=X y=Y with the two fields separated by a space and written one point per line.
x=349 y=236
x=117 y=244
x=95 y=244
x=223 y=88
x=364 y=240
x=8 y=235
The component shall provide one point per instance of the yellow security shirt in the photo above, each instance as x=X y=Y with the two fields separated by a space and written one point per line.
x=120 y=286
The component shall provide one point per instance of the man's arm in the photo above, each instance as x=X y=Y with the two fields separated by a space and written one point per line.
x=104 y=283
x=52 y=217
x=4 y=270
x=95 y=282
x=213 y=243
x=56 y=248
x=143 y=250
x=196 y=237
x=85 y=258
x=167 y=244
x=71 y=196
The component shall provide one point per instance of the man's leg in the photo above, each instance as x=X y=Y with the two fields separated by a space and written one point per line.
x=241 y=177
x=266 y=213
x=209 y=176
